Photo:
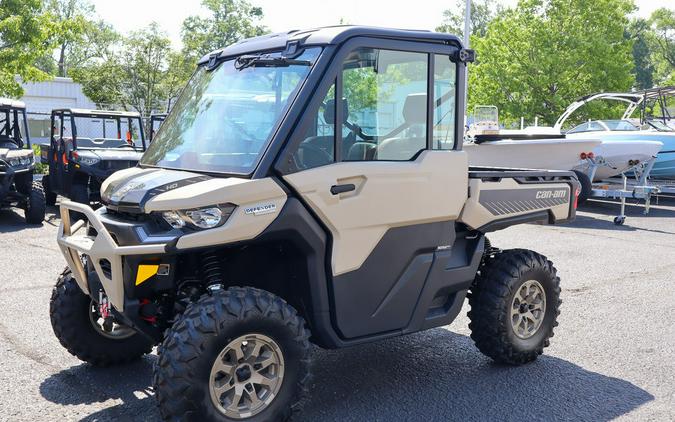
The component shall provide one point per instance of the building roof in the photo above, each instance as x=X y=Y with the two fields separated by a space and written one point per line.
x=10 y=103
x=330 y=35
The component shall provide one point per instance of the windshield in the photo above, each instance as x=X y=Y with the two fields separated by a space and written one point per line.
x=224 y=118
x=660 y=126
x=619 y=125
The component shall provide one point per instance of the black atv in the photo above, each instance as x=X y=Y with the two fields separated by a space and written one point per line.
x=17 y=163
x=86 y=147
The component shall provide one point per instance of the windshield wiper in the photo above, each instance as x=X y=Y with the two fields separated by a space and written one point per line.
x=267 y=60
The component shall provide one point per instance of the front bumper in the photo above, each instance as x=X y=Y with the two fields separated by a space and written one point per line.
x=101 y=250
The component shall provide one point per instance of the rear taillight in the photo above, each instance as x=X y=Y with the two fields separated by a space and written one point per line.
x=577 y=192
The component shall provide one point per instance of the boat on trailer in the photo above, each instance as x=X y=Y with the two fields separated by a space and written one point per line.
x=489 y=146
x=618 y=134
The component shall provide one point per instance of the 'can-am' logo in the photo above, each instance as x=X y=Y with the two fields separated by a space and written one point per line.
x=551 y=194
x=261 y=209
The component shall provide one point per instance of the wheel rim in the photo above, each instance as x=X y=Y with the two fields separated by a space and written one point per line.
x=117 y=332
x=528 y=309
x=246 y=376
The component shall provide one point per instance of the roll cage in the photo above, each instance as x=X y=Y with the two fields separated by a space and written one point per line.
x=65 y=115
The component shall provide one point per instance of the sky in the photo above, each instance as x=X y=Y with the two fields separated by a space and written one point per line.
x=284 y=15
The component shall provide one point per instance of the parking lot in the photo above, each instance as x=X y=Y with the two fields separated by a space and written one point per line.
x=613 y=355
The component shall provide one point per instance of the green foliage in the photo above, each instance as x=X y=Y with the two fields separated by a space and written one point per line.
x=640 y=33
x=663 y=24
x=229 y=22
x=39 y=167
x=74 y=19
x=482 y=13
x=537 y=58
x=26 y=34
x=133 y=75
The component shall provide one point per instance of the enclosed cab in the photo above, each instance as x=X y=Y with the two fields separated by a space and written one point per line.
x=306 y=187
x=17 y=163
x=87 y=146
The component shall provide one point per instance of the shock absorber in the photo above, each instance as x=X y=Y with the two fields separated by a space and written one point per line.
x=212 y=271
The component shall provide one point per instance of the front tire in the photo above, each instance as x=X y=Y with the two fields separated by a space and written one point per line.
x=514 y=306
x=34 y=210
x=71 y=315
x=241 y=353
x=50 y=196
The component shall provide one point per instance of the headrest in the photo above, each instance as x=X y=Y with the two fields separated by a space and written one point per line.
x=329 y=111
x=415 y=109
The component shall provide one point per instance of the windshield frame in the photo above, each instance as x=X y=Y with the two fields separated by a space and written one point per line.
x=293 y=100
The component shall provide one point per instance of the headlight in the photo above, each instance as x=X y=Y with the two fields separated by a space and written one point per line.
x=14 y=162
x=200 y=218
x=85 y=159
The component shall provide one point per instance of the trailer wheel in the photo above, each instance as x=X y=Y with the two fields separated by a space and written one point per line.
x=586 y=187
x=514 y=306
x=619 y=220
x=76 y=323
x=34 y=210
x=240 y=353
x=50 y=196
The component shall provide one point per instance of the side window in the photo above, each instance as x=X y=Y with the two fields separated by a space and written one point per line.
x=385 y=106
x=317 y=147
x=445 y=72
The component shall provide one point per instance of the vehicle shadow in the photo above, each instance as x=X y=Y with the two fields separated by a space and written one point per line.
x=434 y=375
x=605 y=211
x=12 y=220
x=128 y=384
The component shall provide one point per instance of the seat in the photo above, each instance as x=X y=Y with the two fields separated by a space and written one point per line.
x=405 y=148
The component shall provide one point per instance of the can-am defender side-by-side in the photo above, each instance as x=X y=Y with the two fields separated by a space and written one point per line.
x=17 y=163
x=307 y=187
x=86 y=147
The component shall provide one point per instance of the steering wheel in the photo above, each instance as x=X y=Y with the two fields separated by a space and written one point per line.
x=312 y=156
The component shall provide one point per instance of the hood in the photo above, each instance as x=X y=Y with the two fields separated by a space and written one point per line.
x=132 y=188
x=113 y=154
x=6 y=153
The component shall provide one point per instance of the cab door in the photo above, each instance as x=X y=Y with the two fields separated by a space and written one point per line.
x=379 y=169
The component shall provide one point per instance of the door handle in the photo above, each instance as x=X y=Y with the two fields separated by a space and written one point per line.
x=338 y=189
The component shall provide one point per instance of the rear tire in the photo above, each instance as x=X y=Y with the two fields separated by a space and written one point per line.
x=34 y=211
x=70 y=310
x=586 y=187
x=190 y=382
x=50 y=196
x=514 y=306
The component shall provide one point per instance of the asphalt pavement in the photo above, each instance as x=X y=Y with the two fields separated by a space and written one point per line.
x=612 y=357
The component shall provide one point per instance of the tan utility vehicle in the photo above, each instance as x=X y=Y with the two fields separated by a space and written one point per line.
x=307 y=187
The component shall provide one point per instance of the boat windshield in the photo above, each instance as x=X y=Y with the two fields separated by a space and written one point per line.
x=225 y=117
x=604 y=125
x=660 y=126
x=619 y=125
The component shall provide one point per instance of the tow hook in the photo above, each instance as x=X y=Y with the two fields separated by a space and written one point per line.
x=104 y=311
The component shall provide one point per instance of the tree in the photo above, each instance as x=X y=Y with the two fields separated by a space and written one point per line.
x=482 y=12
x=663 y=24
x=641 y=34
x=537 y=58
x=133 y=75
x=230 y=21
x=26 y=34
x=74 y=18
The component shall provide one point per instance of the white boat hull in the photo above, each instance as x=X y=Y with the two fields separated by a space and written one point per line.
x=618 y=155
x=547 y=154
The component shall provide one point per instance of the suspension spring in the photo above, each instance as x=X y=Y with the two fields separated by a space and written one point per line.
x=212 y=269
